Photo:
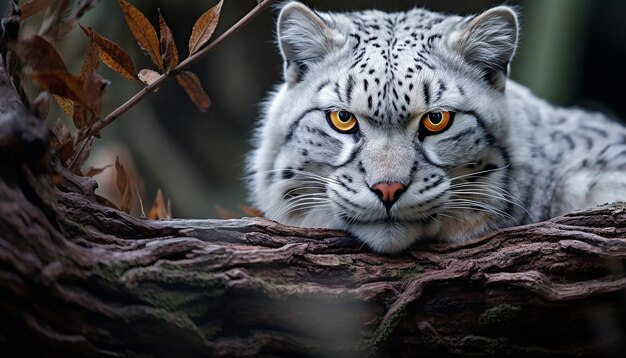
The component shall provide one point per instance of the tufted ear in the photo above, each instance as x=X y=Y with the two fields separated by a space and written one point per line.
x=304 y=38
x=489 y=41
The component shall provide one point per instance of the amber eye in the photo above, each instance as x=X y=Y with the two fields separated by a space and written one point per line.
x=437 y=122
x=343 y=121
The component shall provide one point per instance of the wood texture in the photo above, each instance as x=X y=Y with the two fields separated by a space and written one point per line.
x=80 y=278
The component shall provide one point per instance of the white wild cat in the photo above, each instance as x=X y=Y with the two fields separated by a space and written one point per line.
x=402 y=127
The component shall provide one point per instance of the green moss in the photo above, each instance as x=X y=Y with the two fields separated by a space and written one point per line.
x=170 y=301
x=384 y=331
x=501 y=314
x=408 y=273
x=179 y=319
x=113 y=272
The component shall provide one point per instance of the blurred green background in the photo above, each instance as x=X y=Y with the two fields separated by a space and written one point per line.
x=572 y=52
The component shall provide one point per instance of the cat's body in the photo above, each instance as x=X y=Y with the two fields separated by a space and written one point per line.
x=404 y=127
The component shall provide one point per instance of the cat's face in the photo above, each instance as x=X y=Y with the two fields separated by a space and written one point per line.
x=389 y=126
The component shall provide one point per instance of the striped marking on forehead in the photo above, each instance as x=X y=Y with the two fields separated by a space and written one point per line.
x=388 y=53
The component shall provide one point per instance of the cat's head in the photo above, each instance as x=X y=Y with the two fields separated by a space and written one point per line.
x=389 y=125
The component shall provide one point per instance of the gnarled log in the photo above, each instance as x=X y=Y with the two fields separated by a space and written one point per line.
x=79 y=278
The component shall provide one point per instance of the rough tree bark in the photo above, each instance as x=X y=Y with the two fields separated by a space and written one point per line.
x=79 y=278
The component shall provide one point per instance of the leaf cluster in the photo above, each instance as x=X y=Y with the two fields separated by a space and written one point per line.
x=35 y=59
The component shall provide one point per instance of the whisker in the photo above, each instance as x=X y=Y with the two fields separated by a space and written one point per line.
x=461 y=204
x=479 y=173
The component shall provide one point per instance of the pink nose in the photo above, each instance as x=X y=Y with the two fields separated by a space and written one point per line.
x=388 y=193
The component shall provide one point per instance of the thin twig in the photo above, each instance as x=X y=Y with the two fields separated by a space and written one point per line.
x=96 y=127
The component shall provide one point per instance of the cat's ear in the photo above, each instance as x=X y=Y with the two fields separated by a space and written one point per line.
x=489 y=41
x=304 y=38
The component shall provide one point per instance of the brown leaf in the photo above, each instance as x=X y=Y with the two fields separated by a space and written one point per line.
x=123 y=185
x=61 y=140
x=112 y=55
x=87 y=93
x=61 y=83
x=66 y=152
x=203 y=28
x=143 y=31
x=92 y=172
x=223 y=213
x=60 y=134
x=39 y=54
x=169 y=52
x=90 y=63
x=158 y=210
x=93 y=90
x=66 y=105
x=148 y=76
x=33 y=7
x=251 y=211
x=84 y=116
x=191 y=83
x=80 y=156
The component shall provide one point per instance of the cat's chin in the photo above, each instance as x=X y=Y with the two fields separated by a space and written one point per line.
x=393 y=237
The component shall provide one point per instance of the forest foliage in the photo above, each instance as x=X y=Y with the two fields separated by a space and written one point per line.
x=32 y=58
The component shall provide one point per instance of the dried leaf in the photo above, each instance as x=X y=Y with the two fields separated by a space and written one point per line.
x=82 y=116
x=93 y=90
x=203 y=28
x=66 y=151
x=41 y=104
x=143 y=31
x=123 y=185
x=39 y=54
x=92 y=172
x=34 y=7
x=112 y=55
x=158 y=210
x=60 y=135
x=87 y=93
x=251 y=211
x=61 y=140
x=61 y=83
x=80 y=156
x=90 y=64
x=66 y=105
x=191 y=83
x=169 y=52
x=223 y=213
x=148 y=76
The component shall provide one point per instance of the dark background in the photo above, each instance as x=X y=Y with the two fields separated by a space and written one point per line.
x=572 y=52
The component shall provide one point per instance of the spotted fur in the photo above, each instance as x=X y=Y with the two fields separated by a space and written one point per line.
x=508 y=158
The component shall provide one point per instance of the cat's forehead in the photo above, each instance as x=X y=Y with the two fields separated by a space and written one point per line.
x=391 y=60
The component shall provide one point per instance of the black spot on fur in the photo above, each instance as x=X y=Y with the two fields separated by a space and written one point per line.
x=288 y=173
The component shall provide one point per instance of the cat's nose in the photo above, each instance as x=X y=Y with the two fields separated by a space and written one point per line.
x=388 y=193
